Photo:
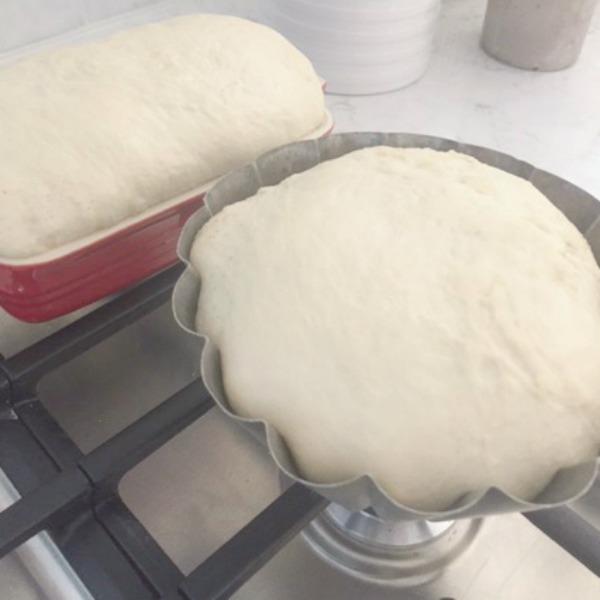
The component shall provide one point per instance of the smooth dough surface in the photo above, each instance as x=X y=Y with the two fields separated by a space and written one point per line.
x=410 y=314
x=95 y=133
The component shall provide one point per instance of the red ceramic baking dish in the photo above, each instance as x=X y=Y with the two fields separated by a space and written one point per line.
x=39 y=291
x=56 y=283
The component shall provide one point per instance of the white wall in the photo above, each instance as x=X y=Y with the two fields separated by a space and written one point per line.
x=26 y=21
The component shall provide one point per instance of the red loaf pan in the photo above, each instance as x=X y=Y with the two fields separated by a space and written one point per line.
x=39 y=290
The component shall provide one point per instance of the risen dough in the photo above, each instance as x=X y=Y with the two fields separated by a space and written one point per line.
x=410 y=314
x=95 y=133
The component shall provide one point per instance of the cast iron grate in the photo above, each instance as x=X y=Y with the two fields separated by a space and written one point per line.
x=74 y=496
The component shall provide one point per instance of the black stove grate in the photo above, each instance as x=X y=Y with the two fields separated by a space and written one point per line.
x=74 y=496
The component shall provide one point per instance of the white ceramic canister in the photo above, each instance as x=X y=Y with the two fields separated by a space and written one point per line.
x=545 y=35
x=359 y=46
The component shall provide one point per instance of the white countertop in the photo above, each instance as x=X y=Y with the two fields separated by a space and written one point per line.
x=551 y=120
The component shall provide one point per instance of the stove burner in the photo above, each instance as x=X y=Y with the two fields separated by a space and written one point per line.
x=402 y=553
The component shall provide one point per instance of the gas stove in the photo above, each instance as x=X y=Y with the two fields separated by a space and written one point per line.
x=120 y=480
x=133 y=486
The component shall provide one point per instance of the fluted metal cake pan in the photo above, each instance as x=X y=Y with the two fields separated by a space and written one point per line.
x=580 y=208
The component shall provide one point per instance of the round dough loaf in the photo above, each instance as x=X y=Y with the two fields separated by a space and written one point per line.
x=409 y=314
x=96 y=133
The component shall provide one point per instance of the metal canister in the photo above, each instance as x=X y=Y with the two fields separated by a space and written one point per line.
x=544 y=35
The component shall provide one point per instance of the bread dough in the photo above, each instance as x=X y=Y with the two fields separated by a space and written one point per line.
x=413 y=315
x=95 y=133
